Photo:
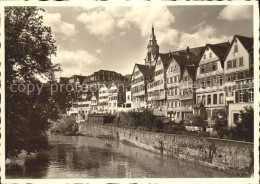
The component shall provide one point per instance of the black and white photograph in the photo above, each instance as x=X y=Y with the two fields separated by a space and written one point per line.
x=130 y=91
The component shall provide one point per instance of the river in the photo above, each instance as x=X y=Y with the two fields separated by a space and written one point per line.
x=88 y=157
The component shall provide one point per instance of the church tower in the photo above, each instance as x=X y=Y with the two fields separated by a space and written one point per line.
x=153 y=49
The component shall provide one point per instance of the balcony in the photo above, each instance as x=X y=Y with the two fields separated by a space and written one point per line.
x=160 y=96
x=186 y=109
x=152 y=98
x=156 y=88
x=186 y=97
x=169 y=85
x=173 y=109
x=141 y=93
x=171 y=97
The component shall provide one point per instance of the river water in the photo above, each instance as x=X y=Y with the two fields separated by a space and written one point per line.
x=88 y=157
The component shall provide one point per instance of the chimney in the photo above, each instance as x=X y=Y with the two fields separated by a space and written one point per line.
x=188 y=52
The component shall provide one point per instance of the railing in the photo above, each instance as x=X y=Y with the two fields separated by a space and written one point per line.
x=139 y=93
x=186 y=108
x=189 y=96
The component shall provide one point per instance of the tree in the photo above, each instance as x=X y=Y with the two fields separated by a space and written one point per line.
x=199 y=121
x=221 y=122
x=244 y=129
x=29 y=47
x=65 y=125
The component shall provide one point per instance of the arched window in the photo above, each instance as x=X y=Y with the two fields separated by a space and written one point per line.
x=221 y=98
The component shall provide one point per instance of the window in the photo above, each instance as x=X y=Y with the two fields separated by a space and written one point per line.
x=234 y=63
x=241 y=62
x=221 y=98
x=251 y=95
x=241 y=96
x=209 y=100
x=215 y=99
x=235 y=77
x=214 y=67
x=210 y=55
x=229 y=64
x=202 y=70
x=220 y=81
x=204 y=57
x=208 y=82
x=235 y=48
x=203 y=99
x=198 y=99
x=235 y=117
x=177 y=78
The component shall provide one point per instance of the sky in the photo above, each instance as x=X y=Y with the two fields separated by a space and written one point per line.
x=115 y=38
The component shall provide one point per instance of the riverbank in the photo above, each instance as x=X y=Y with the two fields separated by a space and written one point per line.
x=230 y=156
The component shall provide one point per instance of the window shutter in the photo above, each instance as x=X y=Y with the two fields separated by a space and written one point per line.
x=246 y=96
x=236 y=96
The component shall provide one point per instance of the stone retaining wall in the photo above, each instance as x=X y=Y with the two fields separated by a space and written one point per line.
x=231 y=156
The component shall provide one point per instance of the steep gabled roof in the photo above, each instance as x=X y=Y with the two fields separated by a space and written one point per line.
x=247 y=42
x=146 y=70
x=166 y=59
x=192 y=71
x=181 y=60
x=194 y=56
x=219 y=49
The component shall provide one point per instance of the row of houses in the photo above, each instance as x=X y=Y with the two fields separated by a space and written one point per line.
x=175 y=84
x=102 y=92
x=215 y=75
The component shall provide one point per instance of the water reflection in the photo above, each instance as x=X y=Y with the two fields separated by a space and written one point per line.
x=87 y=157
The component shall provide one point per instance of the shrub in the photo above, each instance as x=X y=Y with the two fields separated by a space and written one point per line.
x=66 y=124
x=244 y=129
x=199 y=121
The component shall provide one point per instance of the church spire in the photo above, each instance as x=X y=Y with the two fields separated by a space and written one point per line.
x=152 y=35
x=153 y=48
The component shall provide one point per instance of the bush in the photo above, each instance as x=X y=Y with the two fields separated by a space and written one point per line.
x=65 y=125
x=199 y=122
x=144 y=119
x=244 y=129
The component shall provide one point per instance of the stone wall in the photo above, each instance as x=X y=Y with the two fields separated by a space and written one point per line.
x=231 y=156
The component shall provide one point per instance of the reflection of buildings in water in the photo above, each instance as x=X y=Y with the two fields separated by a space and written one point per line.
x=89 y=158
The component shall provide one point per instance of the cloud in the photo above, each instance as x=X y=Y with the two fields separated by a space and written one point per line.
x=236 y=13
x=197 y=26
x=204 y=35
x=75 y=62
x=104 y=21
x=58 y=25
x=98 y=23
x=98 y=51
